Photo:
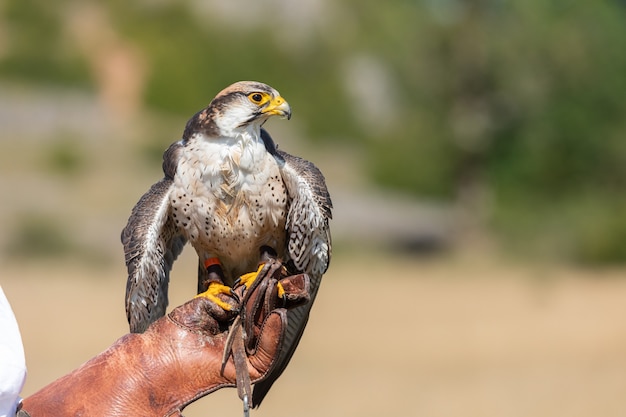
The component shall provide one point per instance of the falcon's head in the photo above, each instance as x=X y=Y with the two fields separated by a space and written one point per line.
x=243 y=106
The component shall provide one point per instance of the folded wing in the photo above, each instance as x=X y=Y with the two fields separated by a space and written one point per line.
x=151 y=244
x=308 y=246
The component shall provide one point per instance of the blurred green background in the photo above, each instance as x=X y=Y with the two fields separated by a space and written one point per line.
x=507 y=116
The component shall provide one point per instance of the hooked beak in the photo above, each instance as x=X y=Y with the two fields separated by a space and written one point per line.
x=278 y=106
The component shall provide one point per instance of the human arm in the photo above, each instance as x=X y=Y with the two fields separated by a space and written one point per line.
x=175 y=362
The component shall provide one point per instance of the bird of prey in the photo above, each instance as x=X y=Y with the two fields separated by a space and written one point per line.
x=231 y=194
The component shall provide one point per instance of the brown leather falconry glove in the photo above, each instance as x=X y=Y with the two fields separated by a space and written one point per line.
x=178 y=359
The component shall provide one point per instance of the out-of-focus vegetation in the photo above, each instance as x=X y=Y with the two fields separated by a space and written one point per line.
x=39 y=236
x=513 y=108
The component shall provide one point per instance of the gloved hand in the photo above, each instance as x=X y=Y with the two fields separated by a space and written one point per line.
x=178 y=359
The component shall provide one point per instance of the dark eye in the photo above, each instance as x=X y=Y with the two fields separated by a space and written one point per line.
x=256 y=97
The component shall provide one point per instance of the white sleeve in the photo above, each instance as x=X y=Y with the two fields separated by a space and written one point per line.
x=12 y=362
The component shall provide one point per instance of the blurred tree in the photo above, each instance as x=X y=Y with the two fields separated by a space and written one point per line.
x=35 y=45
x=524 y=98
x=191 y=59
x=517 y=100
x=65 y=155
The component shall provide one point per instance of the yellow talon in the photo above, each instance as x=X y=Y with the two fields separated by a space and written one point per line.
x=215 y=289
x=249 y=278
x=281 y=290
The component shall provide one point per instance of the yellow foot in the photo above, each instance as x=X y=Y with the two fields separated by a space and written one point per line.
x=215 y=289
x=249 y=278
x=281 y=290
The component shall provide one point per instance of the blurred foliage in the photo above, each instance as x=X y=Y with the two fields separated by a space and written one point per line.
x=65 y=156
x=523 y=98
x=38 y=235
x=196 y=59
x=37 y=48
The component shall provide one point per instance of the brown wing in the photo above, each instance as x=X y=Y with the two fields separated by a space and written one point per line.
x=308 y=246
x=151 y=244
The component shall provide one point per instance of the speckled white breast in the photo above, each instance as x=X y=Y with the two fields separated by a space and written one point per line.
x=229 y=198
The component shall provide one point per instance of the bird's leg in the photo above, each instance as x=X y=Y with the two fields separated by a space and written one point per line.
x=266 y=254
x=215 y=282
x=249 y=278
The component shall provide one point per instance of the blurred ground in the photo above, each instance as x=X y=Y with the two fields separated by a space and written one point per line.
x=454 y=336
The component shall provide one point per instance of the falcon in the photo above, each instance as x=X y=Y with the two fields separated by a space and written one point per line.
x=229 y=192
